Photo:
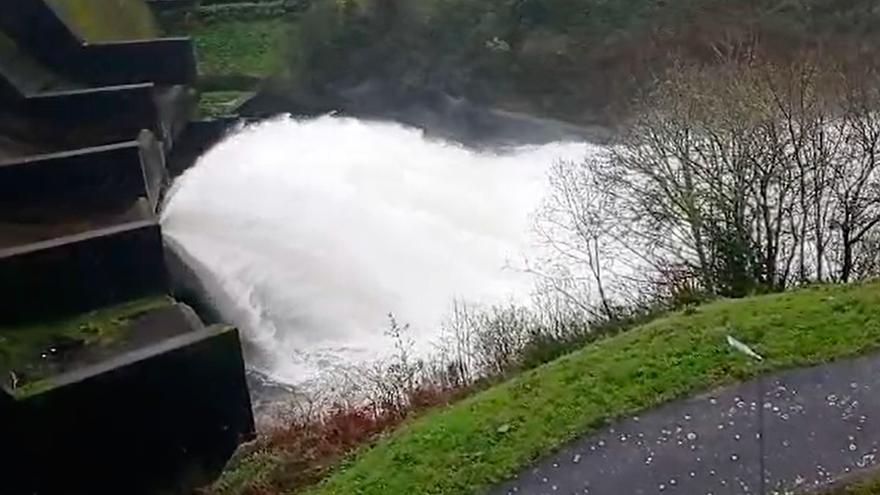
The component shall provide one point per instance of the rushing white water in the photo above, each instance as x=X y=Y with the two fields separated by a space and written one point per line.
x=312 y=231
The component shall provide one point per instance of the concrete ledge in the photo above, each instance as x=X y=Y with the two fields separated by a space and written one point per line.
x=112 y=175
x=38 y=29
x=164 y=61
x=87 y=117
x=81 y=272
x=97 y=116
x=162 y=418
x=121 y=111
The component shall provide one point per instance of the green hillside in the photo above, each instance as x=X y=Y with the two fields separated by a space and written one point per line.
x=471 y=444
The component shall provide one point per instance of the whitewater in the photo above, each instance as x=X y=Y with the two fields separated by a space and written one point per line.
x=308 y=233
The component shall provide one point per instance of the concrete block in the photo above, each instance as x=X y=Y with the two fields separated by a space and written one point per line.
x=89 y=47
x=38 y=30
x=164 y=61
x=74 y=119
x=81 y=272
x=111 y=175
x=93 y=116
x=162 y=418
x=99 y=20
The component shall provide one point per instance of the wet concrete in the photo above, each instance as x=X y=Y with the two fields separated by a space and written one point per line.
x=819 y=424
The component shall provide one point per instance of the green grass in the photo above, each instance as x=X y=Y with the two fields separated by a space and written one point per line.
x=479 y=441
x=870 y=486
x=21 y=346
x=251 y=48
x=233 y=55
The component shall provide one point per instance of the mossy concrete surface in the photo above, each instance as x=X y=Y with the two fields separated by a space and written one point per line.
x=219 y=103
x=107 y=20
x=29 y=353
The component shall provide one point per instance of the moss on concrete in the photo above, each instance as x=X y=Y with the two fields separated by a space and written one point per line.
x=107 y=20
x=28 y=351
x=219 y=103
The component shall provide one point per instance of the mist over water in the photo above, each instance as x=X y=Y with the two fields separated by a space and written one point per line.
x=308 y=233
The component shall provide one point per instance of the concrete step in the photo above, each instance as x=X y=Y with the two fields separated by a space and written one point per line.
x=81 y=271
x=37 y=103
x=102 y=115
x=22 y=74
x=21 y=227
x=162 y=405
x=101 y=52
x=88 y=178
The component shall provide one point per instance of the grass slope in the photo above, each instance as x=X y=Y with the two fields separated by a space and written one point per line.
x=252 y=48
x=470 y=445
x=868 y=486
x=232 y=54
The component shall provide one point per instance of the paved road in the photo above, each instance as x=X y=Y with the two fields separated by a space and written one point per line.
x=820 y=423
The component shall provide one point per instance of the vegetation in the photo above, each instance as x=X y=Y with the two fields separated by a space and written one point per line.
x=25 y=350
x=234 y=52
x=574 y=59
x=731 y=179
x=746 y=164
x=578 y=60
x=470 y=444
x=869 y=486
x=252 y=48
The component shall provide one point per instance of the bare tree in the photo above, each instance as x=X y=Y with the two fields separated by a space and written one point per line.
x=575 y=223
x=855 y=178
x=740 y=176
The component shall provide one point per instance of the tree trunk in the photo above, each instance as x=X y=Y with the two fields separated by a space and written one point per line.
x=847 y=265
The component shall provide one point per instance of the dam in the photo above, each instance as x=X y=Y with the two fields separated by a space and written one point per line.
x=108 y=382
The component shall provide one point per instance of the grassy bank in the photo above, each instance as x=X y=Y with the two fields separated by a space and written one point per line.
x=252 y=48
x=234 y=54
x=862 y=488
x=467 y=446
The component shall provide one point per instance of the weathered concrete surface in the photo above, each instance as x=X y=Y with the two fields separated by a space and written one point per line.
x=82 y=45
x=104 y=176
x=819 y=424
x=81 y=272
x=162 y=418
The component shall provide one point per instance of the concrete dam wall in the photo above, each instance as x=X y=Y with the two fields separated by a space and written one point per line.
x=107 y=383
